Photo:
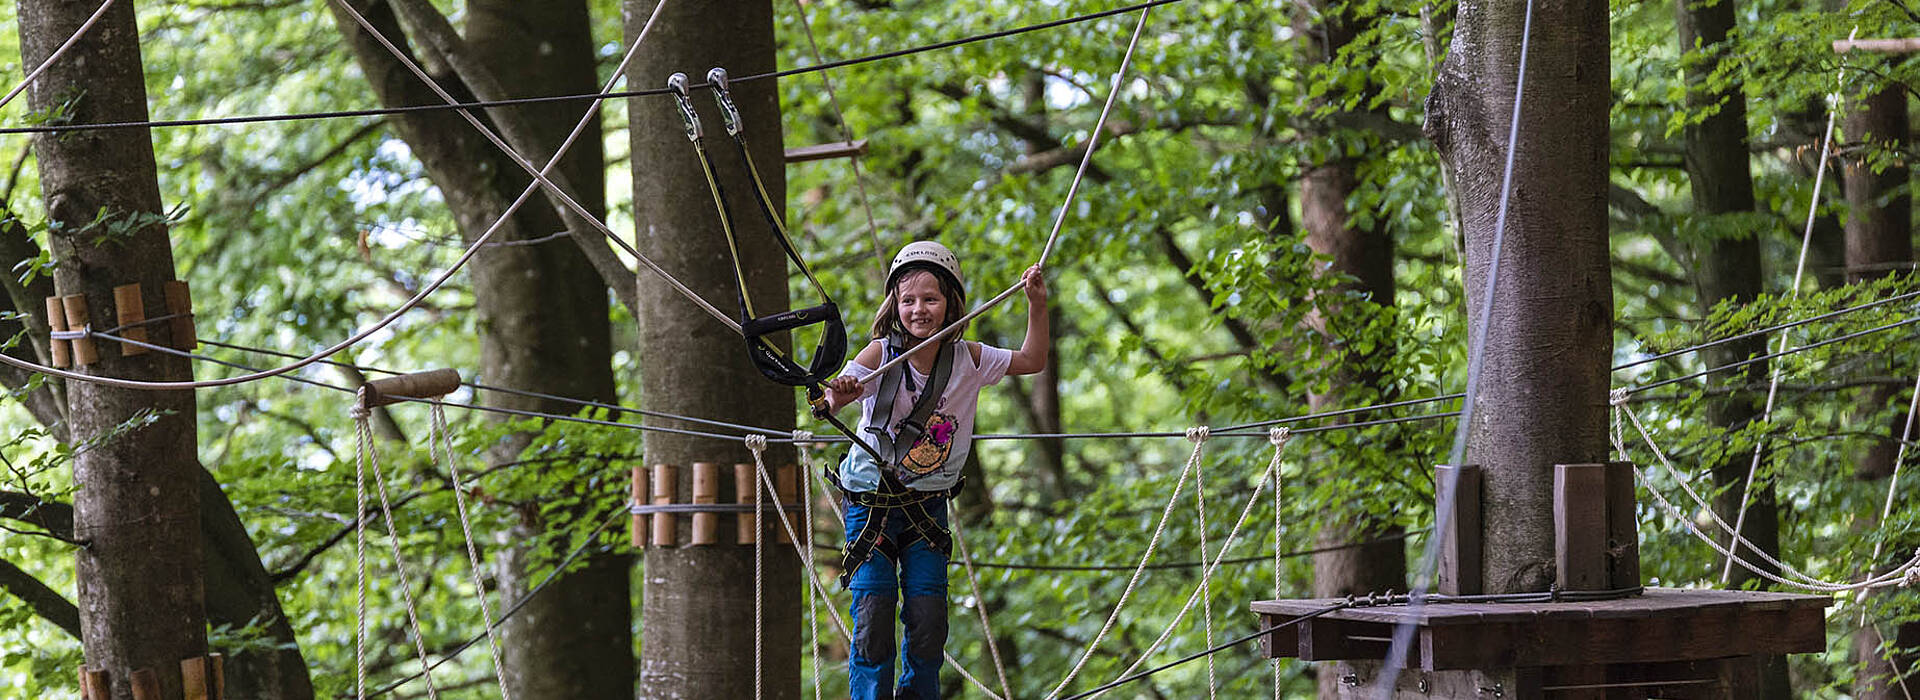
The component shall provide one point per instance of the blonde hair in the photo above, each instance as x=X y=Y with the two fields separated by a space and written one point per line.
x=887 y=321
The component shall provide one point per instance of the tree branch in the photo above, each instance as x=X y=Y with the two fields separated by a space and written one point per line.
x=53 y=516
x=40 y=598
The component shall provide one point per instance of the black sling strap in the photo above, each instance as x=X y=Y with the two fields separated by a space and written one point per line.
x=765 y=356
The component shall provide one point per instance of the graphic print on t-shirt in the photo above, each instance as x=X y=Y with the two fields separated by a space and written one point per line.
x=930 y=452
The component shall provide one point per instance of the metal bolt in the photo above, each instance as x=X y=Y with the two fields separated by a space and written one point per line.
x=1350 y=680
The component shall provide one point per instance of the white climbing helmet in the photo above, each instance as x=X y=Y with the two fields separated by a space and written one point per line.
x=926 y=253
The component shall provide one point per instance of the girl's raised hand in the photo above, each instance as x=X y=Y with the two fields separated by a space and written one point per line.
x=843 y=390
x=1035 y=280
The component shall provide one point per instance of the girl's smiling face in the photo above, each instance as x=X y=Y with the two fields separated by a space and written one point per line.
x=922 y=308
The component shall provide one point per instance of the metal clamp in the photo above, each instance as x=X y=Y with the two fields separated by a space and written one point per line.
x=717 y=79
x=689 y=119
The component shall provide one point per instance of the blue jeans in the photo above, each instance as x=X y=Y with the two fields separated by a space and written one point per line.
x=917 y=585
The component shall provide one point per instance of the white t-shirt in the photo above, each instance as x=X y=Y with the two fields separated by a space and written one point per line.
x=934 y=462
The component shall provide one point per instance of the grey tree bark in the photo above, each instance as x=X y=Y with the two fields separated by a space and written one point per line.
x=698 y=634
x=1729 y=270
x=141 y=591
x=1542 y=393
x=543 y=306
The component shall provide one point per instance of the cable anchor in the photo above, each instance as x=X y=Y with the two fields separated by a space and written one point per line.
x=689 y=119
x=717 y=79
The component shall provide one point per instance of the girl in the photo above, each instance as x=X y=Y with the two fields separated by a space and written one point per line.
x=920 y=420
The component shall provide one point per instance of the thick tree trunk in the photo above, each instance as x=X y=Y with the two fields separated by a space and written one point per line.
x=1729 y=270
x=542 y=307
x=1879 y=243
x=698 y=634
x=1542 y=391
x=138 y=504
x=1363 y=255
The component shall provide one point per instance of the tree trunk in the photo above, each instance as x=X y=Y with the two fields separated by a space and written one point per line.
x=138 y=501
x=542 y=307
x=1879 y=243
x=698 y=637
x=1542 y=391
x=1728 y=269
x=1363 y=256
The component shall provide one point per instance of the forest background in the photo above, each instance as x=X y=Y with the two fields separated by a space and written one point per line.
x=1205 y=277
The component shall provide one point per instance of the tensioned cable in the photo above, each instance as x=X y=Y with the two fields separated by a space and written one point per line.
x=1799 y=270
x=57 y=53
x=1430 y=558
x=604 y=95
x=1192 y=564
x=363 y=334
x=540 y=175
x=1782 y=353
x=1093 y=143
x=1764 y=331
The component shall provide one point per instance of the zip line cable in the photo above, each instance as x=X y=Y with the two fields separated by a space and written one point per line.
x=604 y=95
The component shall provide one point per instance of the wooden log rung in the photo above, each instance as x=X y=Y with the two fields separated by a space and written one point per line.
x=418 y=385
x=824 y=151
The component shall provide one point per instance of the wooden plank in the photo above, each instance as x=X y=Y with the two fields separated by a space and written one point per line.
x=1283 y=643
x=57 y=321
x=193 y=679
x=746 y=524
x=665 y=532
x=1323 y=639
x=146 y=684
x=180 y=307
x=706 y=489
x=1877 y=45
x=824 y=151
x=131 y=310
x=1623 y=527
x=94 y=685
x=1361 y=678
x=1460 y=545
x=1580 y=526
x=638 y=529
x=78 y=320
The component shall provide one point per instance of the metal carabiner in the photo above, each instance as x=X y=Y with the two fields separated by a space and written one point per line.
x=717 y=79
x=677 y=84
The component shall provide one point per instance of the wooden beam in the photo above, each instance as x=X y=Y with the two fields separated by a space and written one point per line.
x=1460 y=545
x=1623 y=527
x=824 y=151
x=1877 y=45
x=1580 y=526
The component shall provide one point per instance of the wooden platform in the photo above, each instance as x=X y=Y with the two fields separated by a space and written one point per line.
x=1662 y=625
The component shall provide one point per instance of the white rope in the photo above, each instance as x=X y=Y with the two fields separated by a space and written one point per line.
x=57 y=53
x=758 y=444
x=540 y=174
x=365 y=431
x=1906 y=574
x=1799 y=269
x=438 y=419
x=1093 y=142
x=805 y=547
x=1273 y=468
x=406 y=581
x=1900 y=456
x=980 y=604
x=1206 y=578
x=363 y=334
x=1277 y=436
x=1197 y=435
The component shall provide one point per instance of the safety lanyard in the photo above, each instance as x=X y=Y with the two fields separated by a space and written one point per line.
x=766 y=357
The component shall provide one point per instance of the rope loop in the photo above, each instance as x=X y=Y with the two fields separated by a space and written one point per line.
x=1198 y=434
x=802 y=437
x=1618 y=397
x=359 y=412
x=1912 y=578
x=1279 y=436
x=757 y=443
